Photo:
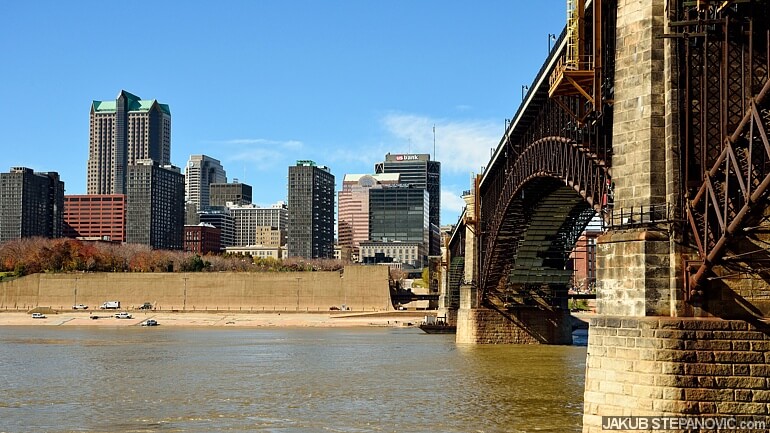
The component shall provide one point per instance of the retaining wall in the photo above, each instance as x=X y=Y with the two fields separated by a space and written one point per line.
x=361 y=288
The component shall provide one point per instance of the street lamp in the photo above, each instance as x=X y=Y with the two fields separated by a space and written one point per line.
x=298 y=294
x=551 y=37
x=184 y=299
x=523 y=91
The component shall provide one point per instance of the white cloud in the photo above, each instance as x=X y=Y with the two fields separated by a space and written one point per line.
x=261 y=153
x=461 y=146
x=451 y=206
x=362 y=156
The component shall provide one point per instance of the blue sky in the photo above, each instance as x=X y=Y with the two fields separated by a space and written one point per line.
x=260 y=84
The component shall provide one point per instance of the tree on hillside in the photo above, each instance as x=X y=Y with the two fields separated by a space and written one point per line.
x=194 y=264
x=33 y=255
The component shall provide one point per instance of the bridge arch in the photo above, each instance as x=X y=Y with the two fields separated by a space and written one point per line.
x=545 y=199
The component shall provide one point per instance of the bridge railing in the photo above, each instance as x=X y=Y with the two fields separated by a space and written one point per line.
x=636 y=216
x=582 y=63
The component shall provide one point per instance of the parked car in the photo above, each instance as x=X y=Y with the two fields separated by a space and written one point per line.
x=146 y=306
x=80 y=307
x=38 y=316
x=123 y=315
x=150 y=322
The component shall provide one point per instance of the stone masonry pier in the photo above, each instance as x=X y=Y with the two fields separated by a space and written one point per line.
x=519 y=326
x=524 y=325
x=654 y=366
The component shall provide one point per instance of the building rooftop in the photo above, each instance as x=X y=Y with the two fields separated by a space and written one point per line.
x=309 y=163
x=135 y=104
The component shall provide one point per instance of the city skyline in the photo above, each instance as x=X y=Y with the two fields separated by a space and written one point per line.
x=348 y=84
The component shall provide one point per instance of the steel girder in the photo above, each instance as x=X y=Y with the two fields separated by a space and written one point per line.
x=724 y=54
x=525 y=184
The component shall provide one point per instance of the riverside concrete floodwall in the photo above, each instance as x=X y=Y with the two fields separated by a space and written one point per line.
x=361 y=288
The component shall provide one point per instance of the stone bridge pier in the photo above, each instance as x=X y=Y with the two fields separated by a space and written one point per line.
x=650 y=351
x=487 y=324
x=484 y=325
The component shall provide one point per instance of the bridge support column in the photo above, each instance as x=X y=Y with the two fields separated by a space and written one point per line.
x=643 y=360
x=526 y=325
x=676 y=367
x=638 y=274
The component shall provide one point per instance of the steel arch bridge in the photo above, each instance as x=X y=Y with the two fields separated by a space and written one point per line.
x=550 y=175
x=552 y=170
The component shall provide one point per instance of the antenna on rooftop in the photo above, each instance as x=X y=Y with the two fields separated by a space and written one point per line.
x=434 y=141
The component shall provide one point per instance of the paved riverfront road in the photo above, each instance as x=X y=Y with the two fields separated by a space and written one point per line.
x=300 y=380
x=222 y=319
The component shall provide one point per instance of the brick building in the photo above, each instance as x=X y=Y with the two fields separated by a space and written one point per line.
x=202 y=239
x=101 y=216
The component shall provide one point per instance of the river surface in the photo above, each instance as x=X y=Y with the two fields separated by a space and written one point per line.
x=281 y=380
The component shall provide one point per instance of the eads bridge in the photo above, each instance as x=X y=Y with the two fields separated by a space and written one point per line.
x=653 y=116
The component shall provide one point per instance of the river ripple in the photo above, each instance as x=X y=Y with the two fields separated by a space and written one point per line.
x=281 y=380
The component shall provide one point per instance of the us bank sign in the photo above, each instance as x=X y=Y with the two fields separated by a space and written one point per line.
x=407 y=158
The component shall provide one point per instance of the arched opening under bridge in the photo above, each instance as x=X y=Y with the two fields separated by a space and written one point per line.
x=527 y=266
x=536 y=263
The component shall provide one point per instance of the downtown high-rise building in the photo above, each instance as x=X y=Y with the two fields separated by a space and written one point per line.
x=255 y=225
x=420 y=172
x=311 y=211
x=200 y=172
x=399 y=215
x=122 y=132
x=31 y=204
x=220 y=218
x=353 y=207
x=220 y=194
x=155 y=205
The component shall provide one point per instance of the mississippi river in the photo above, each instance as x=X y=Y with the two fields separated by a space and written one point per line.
x=287 y=380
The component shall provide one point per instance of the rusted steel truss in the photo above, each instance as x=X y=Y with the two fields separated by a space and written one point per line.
x=549 y=157
x=558 y=141
x=725 y=105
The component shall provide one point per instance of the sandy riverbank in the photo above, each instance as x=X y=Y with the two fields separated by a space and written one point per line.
x=221 y=319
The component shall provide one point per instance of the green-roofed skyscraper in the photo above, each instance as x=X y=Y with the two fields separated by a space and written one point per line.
x=123 y=131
